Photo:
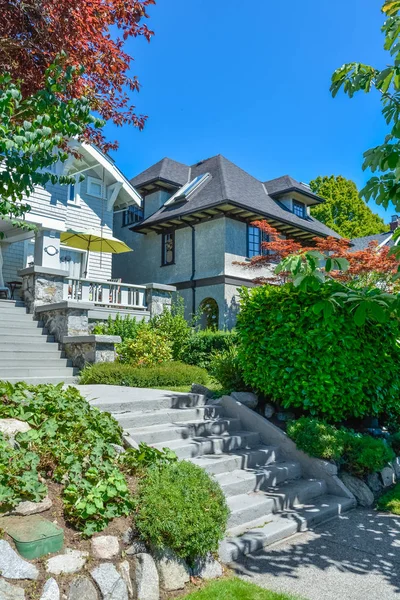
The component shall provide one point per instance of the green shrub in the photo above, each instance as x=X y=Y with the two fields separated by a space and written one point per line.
x=201 y=345
x=181 y=507
x=173 y=325
x=147 y=349
x=227 y=371
x=126 y=327
x=390 y=502
x=329 y=368
x=136 y=461
x=172 y=374
x=394 y=441
x=358 y=454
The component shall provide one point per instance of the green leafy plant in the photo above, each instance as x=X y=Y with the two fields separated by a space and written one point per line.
x=173 y=325
x=136 y=461
x=394 y=441
x=332 y=368
x=167 y=375
x=126 y=327
x=148 y=348
x=179 y=506
x=317 y=438
x=390 y=501
x=201 y=345
x=226 y=369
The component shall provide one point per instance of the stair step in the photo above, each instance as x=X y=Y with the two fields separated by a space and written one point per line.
x=11 y=340
x=183 y=430
x=282 y=525
x=20 y=333
x=11 y=305
x=21 y=354
x=139 y=420
x=242 y=482
x=43 y=371
x=69 y=380
x=30 y=362
x=117 y=404
x=212 y=444
x=247 y=507
x=241 y=459
x=20 y=322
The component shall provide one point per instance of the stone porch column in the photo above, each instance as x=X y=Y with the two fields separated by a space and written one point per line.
x=159 y=297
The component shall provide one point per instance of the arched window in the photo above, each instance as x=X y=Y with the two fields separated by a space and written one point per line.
x=209 y=314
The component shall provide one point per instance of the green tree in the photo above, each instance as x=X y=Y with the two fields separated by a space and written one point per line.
x=343 y=209
x=34 y=134
x=353 y=77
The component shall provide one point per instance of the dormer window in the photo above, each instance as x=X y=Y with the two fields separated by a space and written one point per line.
x=299 y=209
x=188 y=189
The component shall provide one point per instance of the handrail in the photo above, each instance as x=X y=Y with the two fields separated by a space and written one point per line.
x=105 y=293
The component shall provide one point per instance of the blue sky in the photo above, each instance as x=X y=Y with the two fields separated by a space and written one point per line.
x=251 y=81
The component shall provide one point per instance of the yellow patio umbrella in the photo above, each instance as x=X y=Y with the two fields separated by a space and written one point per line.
x=93 y=241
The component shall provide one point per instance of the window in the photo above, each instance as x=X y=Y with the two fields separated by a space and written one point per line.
x=168 y=248
x=184 y=192
x=95 y=187
x=254 y=239
x=73 y=193
x=299 y=209
x=133 y=214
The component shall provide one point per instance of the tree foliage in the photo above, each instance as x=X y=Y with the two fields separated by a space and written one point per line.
x=384 y=160
x=90 y=34
x=33 y=136
x=343 y=210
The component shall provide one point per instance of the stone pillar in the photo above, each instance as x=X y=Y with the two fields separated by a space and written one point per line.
x=65 y=319
x=159 y=297
x=47 y=248
x=41 y=285
x=90 y=349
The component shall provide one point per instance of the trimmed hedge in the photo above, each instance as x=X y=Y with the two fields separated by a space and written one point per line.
x=172 y=374
x=201 y=345
x=329 y=368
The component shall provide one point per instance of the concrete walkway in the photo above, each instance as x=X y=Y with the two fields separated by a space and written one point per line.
x=353 y=557
x=106 y=393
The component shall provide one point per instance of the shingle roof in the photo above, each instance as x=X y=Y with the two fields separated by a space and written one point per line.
x=229 y=183
x=281 y=185
x=362 y=243
x=165 y=170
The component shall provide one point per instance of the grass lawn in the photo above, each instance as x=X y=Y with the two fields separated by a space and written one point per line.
x=235 y=589
x=211 y=384
x=390 y=502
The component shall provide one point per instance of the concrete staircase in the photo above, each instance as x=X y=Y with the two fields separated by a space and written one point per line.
x=27 y=352
x=268 y=498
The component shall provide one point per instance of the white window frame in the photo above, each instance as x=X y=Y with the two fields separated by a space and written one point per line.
x=97 y=181
x=77 y=197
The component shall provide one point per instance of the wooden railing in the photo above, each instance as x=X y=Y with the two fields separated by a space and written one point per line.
x=106 y=293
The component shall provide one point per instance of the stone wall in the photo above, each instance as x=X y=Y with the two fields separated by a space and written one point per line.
x=159 y=298
x=41 y=285
x=67 y=318
x=90 y=349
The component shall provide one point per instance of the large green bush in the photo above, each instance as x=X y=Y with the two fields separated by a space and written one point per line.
x=179 y=506
x=173 y=325
x=226 y=369
x=201 y=345
x=358 y=454
x=327 y=367
x=172 y=374
x=147 y=349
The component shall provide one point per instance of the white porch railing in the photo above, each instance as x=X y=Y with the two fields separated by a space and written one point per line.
x=106 y=293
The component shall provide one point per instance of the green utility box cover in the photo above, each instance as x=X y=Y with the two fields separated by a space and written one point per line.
x=34 y=536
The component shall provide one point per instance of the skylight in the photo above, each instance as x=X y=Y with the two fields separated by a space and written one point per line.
x=184 y=192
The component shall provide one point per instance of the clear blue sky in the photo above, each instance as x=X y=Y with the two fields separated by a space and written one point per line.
x=250 y=80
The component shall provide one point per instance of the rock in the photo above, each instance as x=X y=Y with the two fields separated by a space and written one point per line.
x=128 y=536
x=10 y=427
x=10 y=592
x=172 y=570
x=269 y=410
x=214 y=402
x=247 y=398
x=70 y=562
x=110 y=582
x=82 y=588
x=124 y=569
x=27 y=508
x=388 y=476
x=202 y=390
x=145 y=577
x=207 y=568
x=285 y=416
x=375 y=484
x=396 y=467
x=118 y=449
x=136 y=548
x=360 y=489
x=105 y=547
x=13 y=566
x=51 y=591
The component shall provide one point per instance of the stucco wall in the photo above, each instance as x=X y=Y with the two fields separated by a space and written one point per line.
x=236 y=251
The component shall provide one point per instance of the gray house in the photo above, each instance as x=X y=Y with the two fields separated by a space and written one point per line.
x=195 y=223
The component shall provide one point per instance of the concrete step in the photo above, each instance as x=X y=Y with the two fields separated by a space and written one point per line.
x=12 y=340
x=20 y=322
x=17 y=333
x=186 y=429
x=170 y=415
x=118 y=405
x=32 y=361
x=255 y=505
x=212 y=444
x=20 y=353
x=242 y=482
x=11 y=304
x=69 y=380
x=257 y=457
x=262 y=533
x=43 y=371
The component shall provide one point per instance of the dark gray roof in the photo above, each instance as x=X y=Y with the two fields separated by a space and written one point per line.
x=165 y=170
x=362 y=243
x=229 y=183
x=281 y=185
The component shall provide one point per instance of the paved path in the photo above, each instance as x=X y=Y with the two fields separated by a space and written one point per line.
x=114 y=392
x=354 y=557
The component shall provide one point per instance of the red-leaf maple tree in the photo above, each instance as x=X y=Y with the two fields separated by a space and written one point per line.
x=87 y=33
x=371 y=266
